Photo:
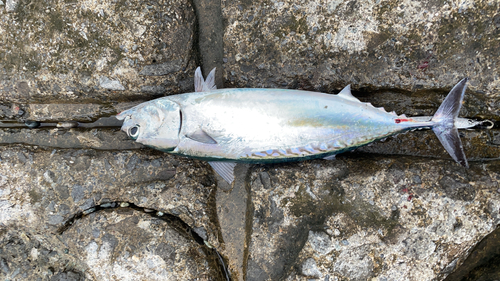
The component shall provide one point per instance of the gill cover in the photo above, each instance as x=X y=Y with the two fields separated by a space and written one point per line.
x=156 y=123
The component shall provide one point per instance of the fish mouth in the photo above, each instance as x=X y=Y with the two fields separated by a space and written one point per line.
x=124 y=114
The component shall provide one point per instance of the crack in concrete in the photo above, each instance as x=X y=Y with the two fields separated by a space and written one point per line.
x=210 y=37
x=173 y=221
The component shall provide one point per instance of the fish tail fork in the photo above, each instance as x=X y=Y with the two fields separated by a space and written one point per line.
x=444 y=123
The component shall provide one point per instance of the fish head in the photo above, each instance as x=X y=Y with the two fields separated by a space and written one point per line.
x=155 y=123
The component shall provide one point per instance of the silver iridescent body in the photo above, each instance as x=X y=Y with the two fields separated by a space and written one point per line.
x=225 y=126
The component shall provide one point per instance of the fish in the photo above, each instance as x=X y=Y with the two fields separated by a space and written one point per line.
x=263 y=125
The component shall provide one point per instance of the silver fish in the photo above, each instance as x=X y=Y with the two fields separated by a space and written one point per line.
x=226 y=126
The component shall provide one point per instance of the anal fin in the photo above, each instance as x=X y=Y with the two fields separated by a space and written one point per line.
x=331 y=157
x=224 y=169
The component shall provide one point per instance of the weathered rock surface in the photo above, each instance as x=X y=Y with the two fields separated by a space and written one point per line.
x=483 y=263
x=122 y=245
x=357 y=219
x=41 y=190
x=81 y=51
x=130 y=245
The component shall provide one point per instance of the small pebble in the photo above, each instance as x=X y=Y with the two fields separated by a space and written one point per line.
x=15 y=109
x=124 y=204
x=208 y=244
x=67 y=124
x=88 y=211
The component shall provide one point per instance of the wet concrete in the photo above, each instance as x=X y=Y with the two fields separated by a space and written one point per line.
x=234 y=208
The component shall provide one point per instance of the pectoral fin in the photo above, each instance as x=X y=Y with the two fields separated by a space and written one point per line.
x=201 y=136
x=224 y=169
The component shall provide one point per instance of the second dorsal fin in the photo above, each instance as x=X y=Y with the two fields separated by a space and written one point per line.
x=346 y=94
x=202 y=85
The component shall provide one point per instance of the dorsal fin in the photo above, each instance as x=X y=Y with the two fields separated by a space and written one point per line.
x=346 y=94
x=202 y=85
x=210 y=81
x=198 y=80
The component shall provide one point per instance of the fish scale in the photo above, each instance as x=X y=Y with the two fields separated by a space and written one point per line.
x=226 y=126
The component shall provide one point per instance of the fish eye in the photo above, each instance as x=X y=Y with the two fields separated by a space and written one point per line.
x=133 y=132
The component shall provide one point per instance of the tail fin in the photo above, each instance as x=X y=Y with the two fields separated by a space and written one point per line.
x=445 y=128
